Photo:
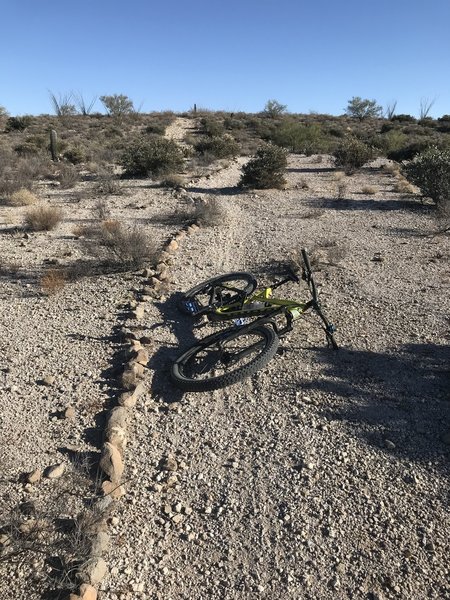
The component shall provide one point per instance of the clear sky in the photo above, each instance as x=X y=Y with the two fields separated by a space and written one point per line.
x=226 y=54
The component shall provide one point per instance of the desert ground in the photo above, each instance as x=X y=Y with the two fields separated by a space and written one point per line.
x=323 y=476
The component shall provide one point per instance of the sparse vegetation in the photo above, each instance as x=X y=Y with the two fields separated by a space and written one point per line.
x=273 y=108
x=369 y=190
x=218 y=147
x=266 y=170
x=53 y=281
x=18 y=123
x=43 y=218
x=210 y=212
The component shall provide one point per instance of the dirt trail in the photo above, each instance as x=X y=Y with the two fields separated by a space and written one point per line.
x=324 y=475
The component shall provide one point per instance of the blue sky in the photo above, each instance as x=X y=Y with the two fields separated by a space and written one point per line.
x=229 y=54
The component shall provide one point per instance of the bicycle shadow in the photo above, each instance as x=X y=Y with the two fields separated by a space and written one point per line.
x=401 y=396
x=181 y=327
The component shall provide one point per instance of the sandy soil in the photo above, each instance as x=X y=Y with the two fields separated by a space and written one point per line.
x=322 y=476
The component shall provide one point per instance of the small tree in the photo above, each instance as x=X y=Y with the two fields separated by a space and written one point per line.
x=390 y=109
x=266 y=170
x=117 y=105
x=273 y=108
x=430 y=171
x=363 y=109
x=3 y=112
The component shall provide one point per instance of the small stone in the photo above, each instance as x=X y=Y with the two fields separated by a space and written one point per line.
x=100 y=543
x=208 y=510
x=172 y=246
x=142 y=356
x=94 y=571
x=34 y=476
x=112 y=489
x=55 y=471
x=111 y=462
x=69 y=412
x=48 y=380
x=389 y=444
x=115 y=521
x=177 y=519
x=170 y=464
x=138 y=312
x=88 y=592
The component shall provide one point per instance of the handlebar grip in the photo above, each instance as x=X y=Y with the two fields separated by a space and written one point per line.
x=306 y=260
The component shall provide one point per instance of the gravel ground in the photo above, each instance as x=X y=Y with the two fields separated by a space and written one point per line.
x=322 y=476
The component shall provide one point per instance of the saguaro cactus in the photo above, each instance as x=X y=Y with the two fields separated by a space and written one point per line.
x=54 y=145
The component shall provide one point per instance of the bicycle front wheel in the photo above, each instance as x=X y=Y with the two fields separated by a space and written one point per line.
x=216 y=292
x=225 y=358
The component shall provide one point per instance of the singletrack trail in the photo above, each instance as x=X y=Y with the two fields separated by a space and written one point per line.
x=323 y=475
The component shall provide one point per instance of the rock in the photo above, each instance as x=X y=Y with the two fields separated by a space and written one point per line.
x=136 y=368
x=48 y=380
x=5 y=540
x=155 y=282
x=117 y=436
x=172 y=246
x=88 y=592
x=141 y=356
x=34 y=476
x=111 y=462
x=69 y=412
x=94 y=571
x=100 y=543
x=55 y=471
x=112 y=489
x=170 y=464
x=118 y=416
x=147 y=273
x=146 y=340
x=177 y=519
x=389 y=444
x=138 y=312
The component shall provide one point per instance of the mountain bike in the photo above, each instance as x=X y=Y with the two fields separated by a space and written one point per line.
x=232 y=354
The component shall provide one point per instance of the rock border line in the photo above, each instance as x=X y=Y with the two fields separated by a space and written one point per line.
x=115 y=436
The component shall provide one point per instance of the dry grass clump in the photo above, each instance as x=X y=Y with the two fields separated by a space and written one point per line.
x=402 y=186
x=173 y=181
x=22 y=197
x=120 y=247
x=338 y=175
x=68 y=176
x=341 y=190
x=108 y=184
x=210 y=213
x=391 y=168
x=43 y=218
x=369 y=190
x=53 y=281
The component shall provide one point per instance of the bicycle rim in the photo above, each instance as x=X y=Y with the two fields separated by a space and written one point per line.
x=225 y=358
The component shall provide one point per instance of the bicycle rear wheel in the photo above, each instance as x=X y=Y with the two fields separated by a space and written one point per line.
x=216 y=292
x=225 y=358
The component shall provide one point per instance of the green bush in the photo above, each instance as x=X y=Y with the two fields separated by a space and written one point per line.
x=266 y=170
x=211 y=126
x=299 y=138
x=408 y=151
x=403 y=118
x=220 y=147
x=352 y=154
x=430 y=171
x=17 y=123
x=75 y=155
x=363 y=108
x=152 y=157
x=117 y=105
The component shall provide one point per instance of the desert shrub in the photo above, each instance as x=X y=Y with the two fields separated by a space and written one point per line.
x=210 y=212
x=352 y=154
x=430 y=171
x=211 y=126
x=22 y=197
x=408 y=151
x=121 y=247
x=18 y=123
x=299 y=138
x=219 y=147
x=75 y=155
x=155 y=157
x=403 y=118
x=156 y=128
x=266 y=170
x=43 y=218
x=52 y=281
x=173 y=181
x=341 y=190
x=369 y=190
x=108 y=184
x=68 y=176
